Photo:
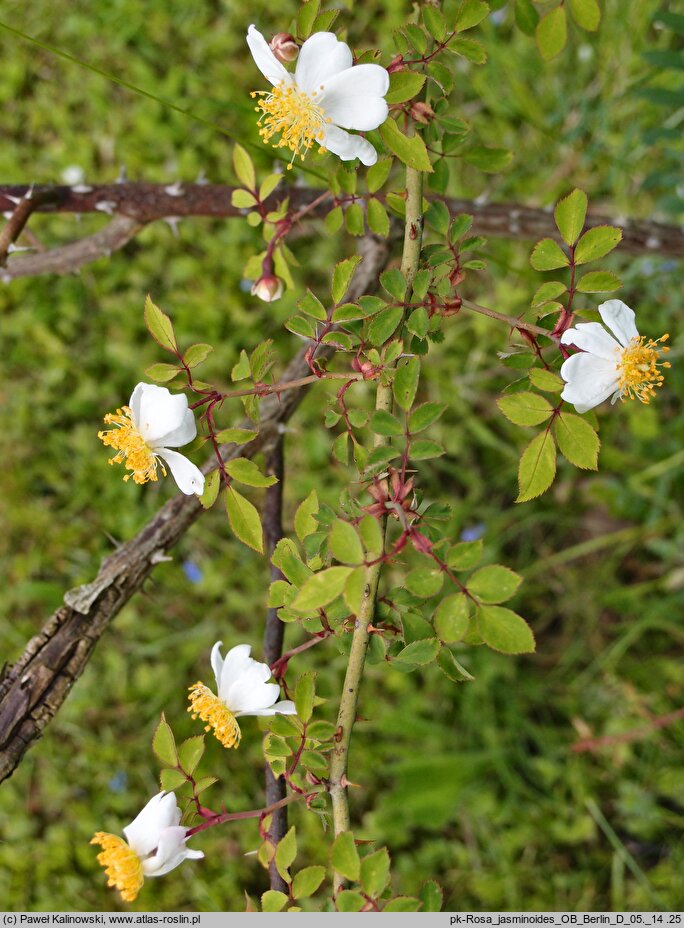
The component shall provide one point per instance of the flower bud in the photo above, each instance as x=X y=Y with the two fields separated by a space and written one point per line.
x=284 y=47
x=422 y=112
x=268 y=288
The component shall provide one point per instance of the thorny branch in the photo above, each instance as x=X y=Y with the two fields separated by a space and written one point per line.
x=33 y=690
x=135 y=204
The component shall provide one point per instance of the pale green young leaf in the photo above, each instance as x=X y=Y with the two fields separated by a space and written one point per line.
x=545 y=380
x=552 y=33
x=494 y=584
x=212 y=485
x=244 y=520
x=570 y=214
x=547 y=255
x=307 y=16
x=577 y=440
x=452 y=617
x=525 y=408
x=418 y=653
x=470 y=14
x=164 y=744
x=586 y=13
x=273 y=901
x=451 y=668
x=236 y=436
x=320 y=589
x=537 y=467
x=345 y=857
x=596 y=243
x=244 y=169
x=197 y=353
x=598 y=282
x=162 y=373
x=342 y=276
x=548 y=291
x=487 y=159
x=410 y=150
x=344 y=543
x=304 y=522
x=424 y=581
x=504 y=630
x=244 y=470
x=377 y=174
x=375 y=871
x=160 y=326
x=404 y=85
x=190 y=753
x=406 y=383
x=465 y=554
x=307 y=881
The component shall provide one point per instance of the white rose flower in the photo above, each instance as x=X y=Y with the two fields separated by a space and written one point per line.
x=326 y=95
x=154 y=421
x=242 y=687
x=620 y=365
x=155 y=844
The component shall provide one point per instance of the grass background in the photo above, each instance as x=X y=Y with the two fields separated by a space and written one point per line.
x=477 y=785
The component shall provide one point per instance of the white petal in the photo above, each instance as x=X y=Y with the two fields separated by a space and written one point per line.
x=134 y=402
x=592 y=337
x=347 y=147
x=185 y=432
x=284 y=707
x=320 y=57
x=251 y=691
x=354 y=98
x=590 y=381
x=171 y=851
x=160 y=812
x=217 y=662
x=620 y=319
x=161 y=412
x=264 y=58
x=187 y=475
x=236 y=662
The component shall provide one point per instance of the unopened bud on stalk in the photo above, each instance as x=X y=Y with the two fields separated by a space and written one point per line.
x=284 y=47
x=268 y=288
x=422 y=112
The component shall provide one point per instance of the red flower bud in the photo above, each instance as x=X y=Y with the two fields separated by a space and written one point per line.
x=284 y=47
x=268 y=288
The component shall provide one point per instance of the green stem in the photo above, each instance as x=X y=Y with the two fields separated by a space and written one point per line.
x=350 y=693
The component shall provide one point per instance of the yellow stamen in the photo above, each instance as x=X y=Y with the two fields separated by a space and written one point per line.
x=121 y=864
x=639 y=368
x=131 y=447
x=293 y=114
x=210 y=709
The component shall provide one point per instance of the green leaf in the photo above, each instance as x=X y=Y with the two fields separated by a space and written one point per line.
x=372 y=536
x=171 y=779
x=525 y=408
x=384 y=423
x=342 y=276
x=545 y=380
x=286 y=851
x=378 y=219
x=334 y=220
x=244 y=470
x=159 y=326
x=241 y=370
x=196 y=354
x=586 y=13
x=431 y=896
x=504 y=630
x=410 y=150
x=345 y=858
x=570 y=215
x=471 y=13
x=375 y=870
x=490 y=160
x=404 y=85
x=190 y=753
x=349 y=901
x=452 y=617
x=424 y=581
x=307 y=15
x=465 y=554
x=419 y=653
x=434 y=23
x=354 y=219
x=273 y=901
x=577 y=441
x=424 y=449
x=244 y=169
x=598 y=282
x=235 y=436
x=268 y=185
x=494 y=583
x=164 y=744
x=244 y=520
x=304 y=522
x=212 y=485
x=418 y=322
x=320 y=589
x=526 y=17
x=537 y=467
x=345 y=544
x=596 y=243
x=438 y=216
x=451 y=668
x=242 y=199
x=383 y=325
x=377 y=174
x=394 y=283
x=162 y=373
x=548 y=291
x=406 y=383
x=307 y=881
x=312 y=306
x=547 y=255
x=402 y=904
x=552 y=33
x=424 y=416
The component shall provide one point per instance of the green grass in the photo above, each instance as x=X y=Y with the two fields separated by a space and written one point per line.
x=475 y=785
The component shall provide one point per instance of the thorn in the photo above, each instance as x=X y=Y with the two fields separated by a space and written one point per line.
x=12 y=248
x=175 y=190
x=81 y=188
x=8 y=214
x=202 y=178
x=172 y=222
x=29 y=193
x=621 y=221
x=122 y=176
x=106 y=206
x=653 y=241
x=159 y=557
x=482 y=200
x=15 y=200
